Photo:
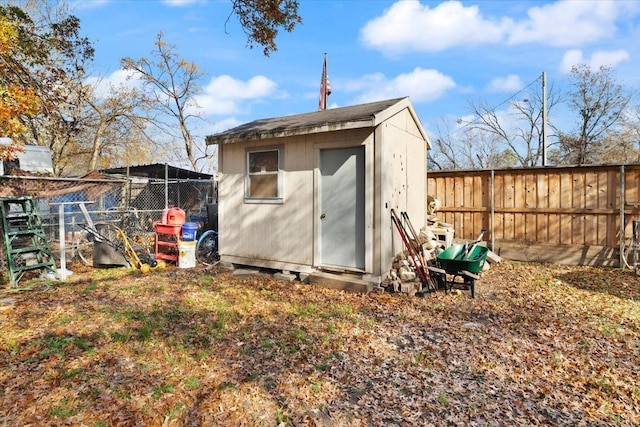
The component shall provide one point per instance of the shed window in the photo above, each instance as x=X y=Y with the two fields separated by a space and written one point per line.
x=264 y=175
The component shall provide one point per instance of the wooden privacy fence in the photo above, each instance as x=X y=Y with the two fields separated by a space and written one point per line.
x=571 y=215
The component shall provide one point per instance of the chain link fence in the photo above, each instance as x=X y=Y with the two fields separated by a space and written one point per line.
x=68 y=206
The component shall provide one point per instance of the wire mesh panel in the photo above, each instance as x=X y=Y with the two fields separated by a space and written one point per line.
x=192 y=196
x=70 y=206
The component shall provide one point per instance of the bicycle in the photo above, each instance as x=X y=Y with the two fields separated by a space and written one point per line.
x=78 y=247
x=207 y=238
x=207 y=248
x=631 y=249
x=79 y=244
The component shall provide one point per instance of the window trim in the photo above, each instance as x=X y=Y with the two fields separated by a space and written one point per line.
x=279 y=175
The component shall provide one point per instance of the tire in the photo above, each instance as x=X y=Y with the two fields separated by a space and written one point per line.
x=79 y=249
x=85 y=253
x=207 y=247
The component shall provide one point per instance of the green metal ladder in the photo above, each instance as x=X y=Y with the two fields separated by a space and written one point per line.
x=25 y=242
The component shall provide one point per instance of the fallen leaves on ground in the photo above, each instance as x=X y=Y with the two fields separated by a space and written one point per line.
x=539 y=345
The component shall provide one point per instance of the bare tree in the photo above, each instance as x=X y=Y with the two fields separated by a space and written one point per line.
x=171 y=84
x=108 y=127
x=621 y=144
x=600 y=103
x=447 y=152
x=119 y=124
x=465 y=147
x=520 y=130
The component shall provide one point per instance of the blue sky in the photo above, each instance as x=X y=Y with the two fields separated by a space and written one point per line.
x=442 y=54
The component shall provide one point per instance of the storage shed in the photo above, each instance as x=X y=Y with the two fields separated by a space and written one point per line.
x=314 y=192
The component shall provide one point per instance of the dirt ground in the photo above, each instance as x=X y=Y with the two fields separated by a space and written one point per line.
x=540 y=344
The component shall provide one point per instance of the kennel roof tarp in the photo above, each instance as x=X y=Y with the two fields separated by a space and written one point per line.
x=157 y=171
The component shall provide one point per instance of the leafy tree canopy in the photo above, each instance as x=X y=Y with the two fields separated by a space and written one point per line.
x=15 y=100
x=37 y=60
x=262 y=19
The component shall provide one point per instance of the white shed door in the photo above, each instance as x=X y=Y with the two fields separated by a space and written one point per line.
x=341 y=202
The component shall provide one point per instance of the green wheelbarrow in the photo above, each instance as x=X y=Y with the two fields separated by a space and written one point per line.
x=462 y=261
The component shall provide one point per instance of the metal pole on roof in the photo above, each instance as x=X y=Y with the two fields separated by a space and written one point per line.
x=326 y=80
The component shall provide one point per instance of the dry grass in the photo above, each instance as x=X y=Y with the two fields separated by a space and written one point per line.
x=540 y=344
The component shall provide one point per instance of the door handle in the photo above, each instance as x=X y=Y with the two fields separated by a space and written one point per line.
x=322 y=216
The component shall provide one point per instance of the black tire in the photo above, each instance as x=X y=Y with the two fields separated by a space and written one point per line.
x=207 y=247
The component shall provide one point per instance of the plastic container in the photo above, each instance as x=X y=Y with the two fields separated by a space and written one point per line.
x=186 y=254
x=459 y=257
x=165 y=215
x=175 y=216
x=189 y=230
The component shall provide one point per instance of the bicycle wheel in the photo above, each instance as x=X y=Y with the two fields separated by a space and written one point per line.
x=630 y=250
x=77 y=248
x=207 y=247
x=84 y=251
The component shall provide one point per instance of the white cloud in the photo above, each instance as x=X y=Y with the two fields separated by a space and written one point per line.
x=567 y=23
x=118 y=79
x=410 y=26
x=227 y=123
x=420 y=84
x=509 y=83
x=84 y=5
x=180 y=3
x=213 y=127
x=223 y=93
x=598 y=58
x=365 y=82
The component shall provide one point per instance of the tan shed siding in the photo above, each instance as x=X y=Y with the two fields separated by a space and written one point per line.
x=381 y=220
x=404 y=187
x=279 y=232
x=409 y=150
x=411 y=127
x=271 y=234
x=274 y=232
x=393 y=171
x=416 y=168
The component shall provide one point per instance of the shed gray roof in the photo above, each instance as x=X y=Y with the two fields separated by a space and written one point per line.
x=357 y=116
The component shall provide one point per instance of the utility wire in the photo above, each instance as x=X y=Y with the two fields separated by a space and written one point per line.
x=494 y=108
